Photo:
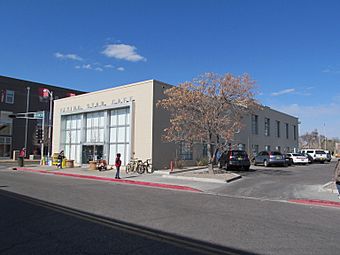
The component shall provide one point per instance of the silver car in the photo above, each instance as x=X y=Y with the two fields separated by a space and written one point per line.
x=268 y=158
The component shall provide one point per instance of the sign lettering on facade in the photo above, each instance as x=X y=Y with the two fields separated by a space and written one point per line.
x=95 y=105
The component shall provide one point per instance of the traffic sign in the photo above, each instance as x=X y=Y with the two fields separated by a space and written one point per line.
x=39 y=115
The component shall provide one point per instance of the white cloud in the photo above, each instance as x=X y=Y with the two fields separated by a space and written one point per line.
x=323 y=117
x=67 y=56
x=121 y=68
x=331 y=70
x=89 y=67
x=109 y=66
x=282 y=92
x=123 y=51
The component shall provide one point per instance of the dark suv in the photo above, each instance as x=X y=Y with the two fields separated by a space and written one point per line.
x=235 y=159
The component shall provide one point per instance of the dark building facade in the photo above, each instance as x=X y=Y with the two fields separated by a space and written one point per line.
x=20 y=96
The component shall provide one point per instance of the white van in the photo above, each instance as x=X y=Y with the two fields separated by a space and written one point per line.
x=318 y=155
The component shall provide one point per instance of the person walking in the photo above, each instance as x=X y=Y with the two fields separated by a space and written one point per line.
x=118 y=164
x=337 y=177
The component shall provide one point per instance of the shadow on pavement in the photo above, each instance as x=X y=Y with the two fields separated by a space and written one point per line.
x=31 y=226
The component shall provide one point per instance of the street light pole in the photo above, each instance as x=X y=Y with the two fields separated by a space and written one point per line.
x=27 y=108
x=50 y=93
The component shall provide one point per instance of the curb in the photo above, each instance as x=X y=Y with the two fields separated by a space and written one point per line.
x=194 y=178
x=122 y=181
x=211 y=180
x=234 y=178
x=317 y=202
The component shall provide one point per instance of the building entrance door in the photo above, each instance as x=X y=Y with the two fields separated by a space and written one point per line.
x=91 y=153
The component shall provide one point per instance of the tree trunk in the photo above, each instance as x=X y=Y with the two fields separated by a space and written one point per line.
x=211 y=152
x=210 y=168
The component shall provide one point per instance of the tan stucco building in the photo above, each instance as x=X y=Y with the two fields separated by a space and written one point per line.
x=125 y=119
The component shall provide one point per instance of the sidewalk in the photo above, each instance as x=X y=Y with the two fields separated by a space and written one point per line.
x=159 y=179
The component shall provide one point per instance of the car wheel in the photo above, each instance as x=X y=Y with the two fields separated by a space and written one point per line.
x=265 y=163
x=247 y=168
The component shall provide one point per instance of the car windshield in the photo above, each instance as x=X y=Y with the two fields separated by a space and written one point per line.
x=275 y=153
x=297 y=154
x=320 y=152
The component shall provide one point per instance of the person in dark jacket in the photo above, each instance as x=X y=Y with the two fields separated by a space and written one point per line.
x=336 y=177
x=118 y=164
x=60 y=159
x=21 y=157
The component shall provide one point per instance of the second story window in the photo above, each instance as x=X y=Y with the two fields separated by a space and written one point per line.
x=9 y=97
x=278 y=133
x=287 y=130
x=267 y=127
x=254 y=124
x=295 y=133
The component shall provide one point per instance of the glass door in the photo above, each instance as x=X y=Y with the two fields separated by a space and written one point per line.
x=91 y=153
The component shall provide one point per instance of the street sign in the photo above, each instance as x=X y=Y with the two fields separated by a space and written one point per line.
x=39 y=115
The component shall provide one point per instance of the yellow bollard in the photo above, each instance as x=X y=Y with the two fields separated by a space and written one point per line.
x=63 y=163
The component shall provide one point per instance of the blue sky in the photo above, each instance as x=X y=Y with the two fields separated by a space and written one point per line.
x=291 y=48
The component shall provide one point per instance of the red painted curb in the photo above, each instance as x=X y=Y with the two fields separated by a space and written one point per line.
x=316 y=202
x=140 y=183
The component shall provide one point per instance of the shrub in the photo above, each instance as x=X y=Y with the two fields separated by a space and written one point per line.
x=202 y=162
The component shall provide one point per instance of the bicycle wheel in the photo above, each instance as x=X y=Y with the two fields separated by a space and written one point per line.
x=128 y=168
x=140 y=169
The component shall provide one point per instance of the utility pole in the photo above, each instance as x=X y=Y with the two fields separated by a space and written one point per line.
x=27 y=108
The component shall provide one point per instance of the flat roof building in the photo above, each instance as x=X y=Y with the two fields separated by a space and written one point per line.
x=21 y=96
x=126 y=120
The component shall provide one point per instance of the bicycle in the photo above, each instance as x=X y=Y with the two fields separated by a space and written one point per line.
x=135 y=165
x=148 y=166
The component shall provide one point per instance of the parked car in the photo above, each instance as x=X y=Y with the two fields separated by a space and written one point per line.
x=298 y=158
x=289 y=160
x=267 y=158
x=235 y=159
x=317 y=155
x=309 y=157
x=329 y=156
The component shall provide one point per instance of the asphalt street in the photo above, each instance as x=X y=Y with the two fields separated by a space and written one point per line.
x=231 y=225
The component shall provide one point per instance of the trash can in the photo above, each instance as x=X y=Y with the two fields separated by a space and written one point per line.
x=21 y=161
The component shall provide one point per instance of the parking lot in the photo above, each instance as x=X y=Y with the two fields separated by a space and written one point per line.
x=297 y=181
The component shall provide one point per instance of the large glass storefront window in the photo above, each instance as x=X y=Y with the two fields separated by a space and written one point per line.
x=95 y=127
x=119 y=135
x=71 y=137
x=97 y=135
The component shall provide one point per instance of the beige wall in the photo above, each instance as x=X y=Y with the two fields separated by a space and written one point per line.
x=246 y=137
x=141 y=94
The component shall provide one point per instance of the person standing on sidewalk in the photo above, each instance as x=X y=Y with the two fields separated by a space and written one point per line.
x=118 y=164
x=337 y=177
x=60 y=160
x=21 y=157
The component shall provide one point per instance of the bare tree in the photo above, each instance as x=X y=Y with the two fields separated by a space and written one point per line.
x=208 y=109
